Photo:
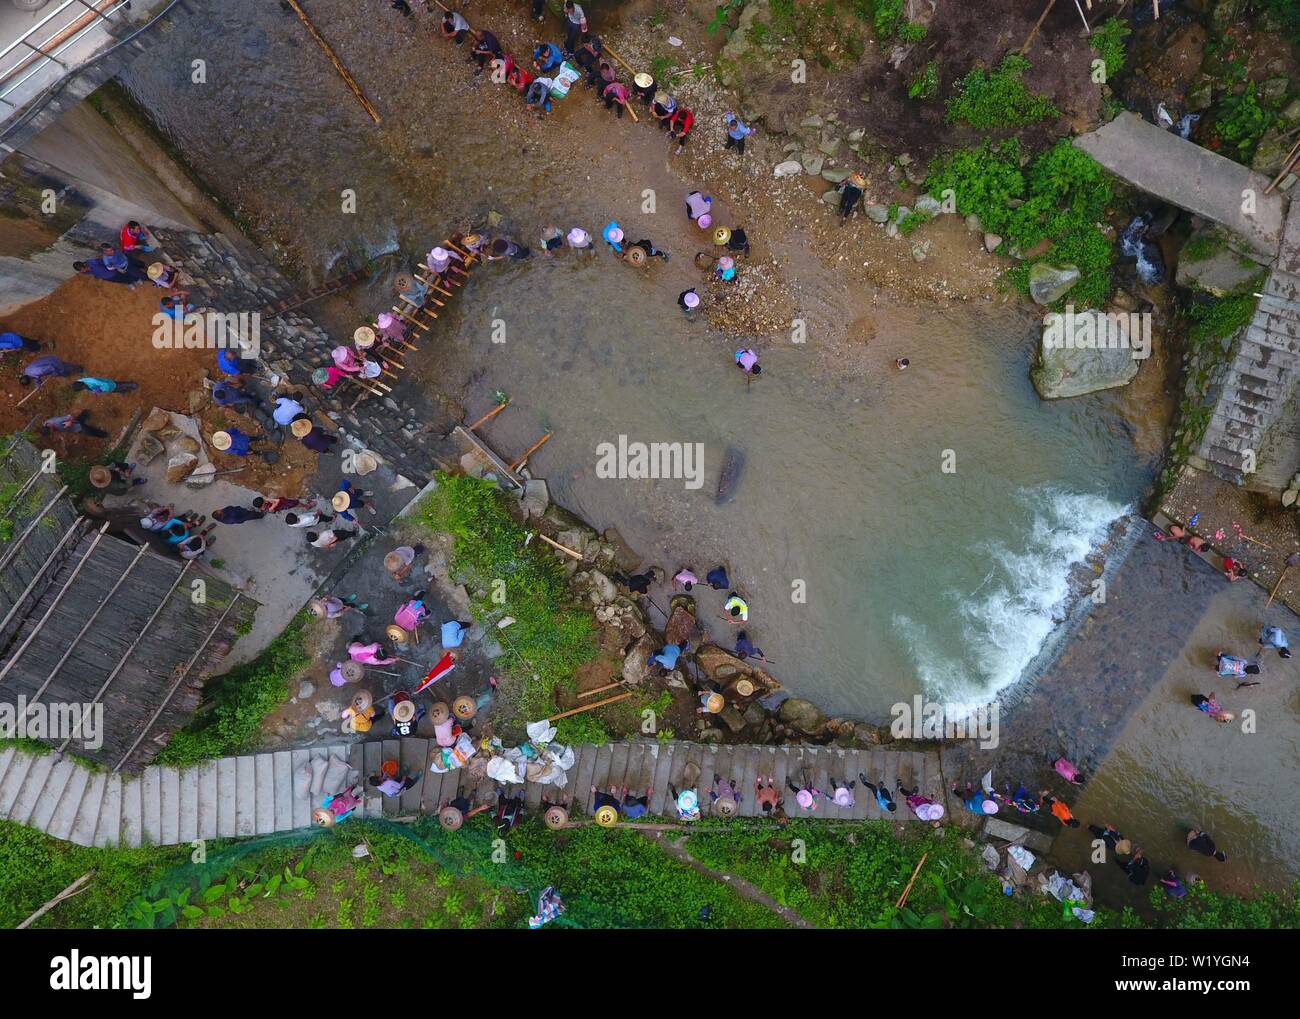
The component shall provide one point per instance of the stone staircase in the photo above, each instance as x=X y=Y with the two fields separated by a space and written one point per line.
x=1257 y=385
x=237 y=797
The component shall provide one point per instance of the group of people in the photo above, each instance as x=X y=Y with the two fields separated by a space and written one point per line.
x=40 y=369
x=324 y=530
x=1271 y=638
x=1137 y=867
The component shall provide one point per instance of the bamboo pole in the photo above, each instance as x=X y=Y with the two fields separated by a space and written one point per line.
x=562 y=548
x=902 y=899
x=76 y=888
x=592 y=707
x=599 y=689
x=531 y=450
x=1037 y=25
x=333 y=58
x=488 y=416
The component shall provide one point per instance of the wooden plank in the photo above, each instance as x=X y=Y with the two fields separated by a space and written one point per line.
x=170 y=780
x=617 y=767
x=747 y=766
x=373 y=755
x=663 y=764
x=227 y=796
x=414 y=755
x=392 y=752
x=599 y=778
x=245 y=796
x=65 y=813
x=781 y=769
x=905 y=772
x=302 y=805
x=108 y=829
x=891 y=777
x=264 y=784
x=208 y=800
x=854 y=761
x=431 y=797
x=584 y=768
x=83 y=828
x=32 y=788
x=132 y=813
x=55 y=786
x=282 y=765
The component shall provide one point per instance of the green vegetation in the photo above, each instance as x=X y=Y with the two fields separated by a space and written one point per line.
x=1108 y=42
x=241 y=700
x=1220 y=318
x=912 y=32
x=989 y=100
x=913 y=221
x=926 y=82
x=549 y=639
x=1241 y=122
x=1203 y=909
x=76 y=473
x=1062 y=194
x=1202 y=247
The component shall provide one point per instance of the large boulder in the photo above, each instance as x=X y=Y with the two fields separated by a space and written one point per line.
x=1072 y=359
x=1049 y=283
x=803 y=716
x=636 y=663
x=181 y=466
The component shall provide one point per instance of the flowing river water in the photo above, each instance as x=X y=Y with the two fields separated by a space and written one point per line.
x=934 y=517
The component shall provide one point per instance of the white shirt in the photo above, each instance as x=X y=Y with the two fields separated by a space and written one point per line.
x=326 y=539
x=307 y=519
x=286 y=410
x=577 y=16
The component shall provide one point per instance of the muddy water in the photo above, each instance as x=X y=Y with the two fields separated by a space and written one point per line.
x=1173 y=767
x=929 y=518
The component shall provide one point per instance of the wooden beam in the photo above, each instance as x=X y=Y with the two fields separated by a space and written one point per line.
x=76 y=888
x=50 y=561
x=13 y=549
x=144 y=729
x=72 y=645
x=54 y=604
x=333 y=58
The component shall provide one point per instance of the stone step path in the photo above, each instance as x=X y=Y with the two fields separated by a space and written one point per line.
x=253 y=794
x=1256 y=386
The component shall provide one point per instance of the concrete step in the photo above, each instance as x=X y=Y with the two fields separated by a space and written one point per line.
x=245 y=796
x=1257 y=385
x=1268 y=338
x=227 y=783
x=87 y=820
x=282 y=762
x=208 y=800
x=302 y=805
x=12 y=783
x=188 y=823
x=169 y=781
x=151 y=805
x=264 y=777
x=132 y=812
x=1251 y=357
x=108 y=830
x=55 y=786
x=65 y=812
x=33 y=788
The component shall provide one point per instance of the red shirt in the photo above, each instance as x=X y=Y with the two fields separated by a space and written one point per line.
x=129 y=241
x=682 y=122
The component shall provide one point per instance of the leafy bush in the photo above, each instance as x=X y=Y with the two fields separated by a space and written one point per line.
x=1063 y=195
x=1241 y=122
x=913 y=221
x=912 y=32
x=1220 y=318
x=987 y=100
x=549 y=639
x=886 y=16
x=242 y=698
x=1108 y=42
x=926 y=82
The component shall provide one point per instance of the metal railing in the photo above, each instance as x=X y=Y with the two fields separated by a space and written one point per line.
x=47 y=41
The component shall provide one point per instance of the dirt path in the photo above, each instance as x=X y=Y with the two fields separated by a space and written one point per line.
x=677 y=850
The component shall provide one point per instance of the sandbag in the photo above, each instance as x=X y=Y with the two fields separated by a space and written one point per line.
x=302 y=781
x=336 y=775
x=564 y=80
x=318 y=767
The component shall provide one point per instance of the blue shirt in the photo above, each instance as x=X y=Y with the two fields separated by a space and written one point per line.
x=548 y=55
x=10 y=341
x=1273 y=636
x=240 y=443
x=736 y=129
x=101 y=271
x=668 y=656
x=453 y=634
x=97 y=385
x=116 y=261
x=612 y=225
x=228 y=362
x=286 y=410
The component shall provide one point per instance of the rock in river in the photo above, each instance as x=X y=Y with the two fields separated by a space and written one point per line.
x=1075 y=356
x=1049 y=283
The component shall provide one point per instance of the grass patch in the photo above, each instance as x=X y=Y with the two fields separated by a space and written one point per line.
x=987 y=100
x=550 y=638
x=926 y=82
x=241 y=700
x=1220 y=318
x=1202 y=247
x=1063 y=193
x=913 y=221
x=1240 y=122
x=1107 y=41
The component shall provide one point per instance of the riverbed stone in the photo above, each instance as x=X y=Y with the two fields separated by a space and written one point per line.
x=636 y=663
x=973 y=223
x=812 y=163
x=1049 y=283
x=992 y=242
x=181 y=466
x=803 y=716
x=836 y=175
x=877 y=213
x=536 y=497
x=790 y=168
x=1072 y=365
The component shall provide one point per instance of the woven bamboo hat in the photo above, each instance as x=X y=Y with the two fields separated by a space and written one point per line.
x=318 y=608
x=364 y=337
x=725 y=806
x=607 y=816
x=353 y=672
x=744 y=688
x=341 y=501
x=301 y=428
x=643 y=80
x=396 y=633
x=450 y=818
x=101 y=477
x=404 y=281
x=464 y=707
x=636 y=256
x=155 y=270
x=393 y=562
x=322 y=817
x=221 y=440
x=472 y=241
x=403 y=711
x=556 y=818
x=362 y=701
x=320 y=376
x=439 y=713
x=715 y=703
x=722 y=235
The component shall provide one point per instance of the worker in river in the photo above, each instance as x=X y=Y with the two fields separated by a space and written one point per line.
x=737 y=609
x=747 y=361
x=1274 y=637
